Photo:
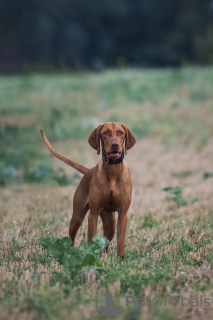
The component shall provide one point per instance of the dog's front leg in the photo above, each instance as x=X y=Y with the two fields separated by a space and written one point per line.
x=121 y=232
x=92 y=224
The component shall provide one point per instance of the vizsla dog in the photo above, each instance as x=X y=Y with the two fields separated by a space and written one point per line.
x=105 y=188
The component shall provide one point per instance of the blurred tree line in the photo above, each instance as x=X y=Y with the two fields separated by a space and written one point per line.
x=75 y=34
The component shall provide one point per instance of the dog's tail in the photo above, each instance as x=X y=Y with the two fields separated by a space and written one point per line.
x=71 y=163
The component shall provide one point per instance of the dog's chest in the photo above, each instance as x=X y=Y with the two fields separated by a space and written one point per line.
x=111 y=198
x=110 y=190
x=113 y=193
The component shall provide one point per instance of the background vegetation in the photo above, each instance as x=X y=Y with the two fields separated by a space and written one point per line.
x=169 y=235
x=72 y=34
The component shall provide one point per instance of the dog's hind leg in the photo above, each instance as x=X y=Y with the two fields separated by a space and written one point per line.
x=76 y=221
x=80 y=208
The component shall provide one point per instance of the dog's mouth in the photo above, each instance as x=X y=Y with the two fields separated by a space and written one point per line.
x=113 y=155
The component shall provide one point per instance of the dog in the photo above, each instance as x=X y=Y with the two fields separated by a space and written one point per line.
x=105 y=188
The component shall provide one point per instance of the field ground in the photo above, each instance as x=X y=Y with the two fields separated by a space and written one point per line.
x=169 y=240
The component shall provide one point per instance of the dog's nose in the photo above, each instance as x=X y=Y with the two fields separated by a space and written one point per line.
x=114 y=144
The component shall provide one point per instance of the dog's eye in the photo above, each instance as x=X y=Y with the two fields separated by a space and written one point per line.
x=106 y=132
x=121 y=132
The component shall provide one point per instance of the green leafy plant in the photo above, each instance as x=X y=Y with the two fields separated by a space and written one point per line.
x=36 y=174
x=74 y=259
x=207 y=175
x=182 y=174
x=176 y=196
x=149 y=221
x=63 y=180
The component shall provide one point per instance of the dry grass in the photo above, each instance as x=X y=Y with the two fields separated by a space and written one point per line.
x=28 y=211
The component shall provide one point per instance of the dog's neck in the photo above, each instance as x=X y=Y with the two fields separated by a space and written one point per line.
x=113 y=171
x=113 y=161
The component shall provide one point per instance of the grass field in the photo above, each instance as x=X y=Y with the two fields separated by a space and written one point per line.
x=169 y=240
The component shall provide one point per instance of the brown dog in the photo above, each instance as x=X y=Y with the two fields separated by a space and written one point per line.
x=105 y=188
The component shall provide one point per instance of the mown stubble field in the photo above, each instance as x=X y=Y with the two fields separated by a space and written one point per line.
x=169 y=238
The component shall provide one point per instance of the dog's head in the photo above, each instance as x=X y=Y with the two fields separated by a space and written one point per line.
x=112 y=136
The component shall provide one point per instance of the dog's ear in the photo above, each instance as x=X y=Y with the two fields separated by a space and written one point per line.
x=129 y=138
x=94 y=138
